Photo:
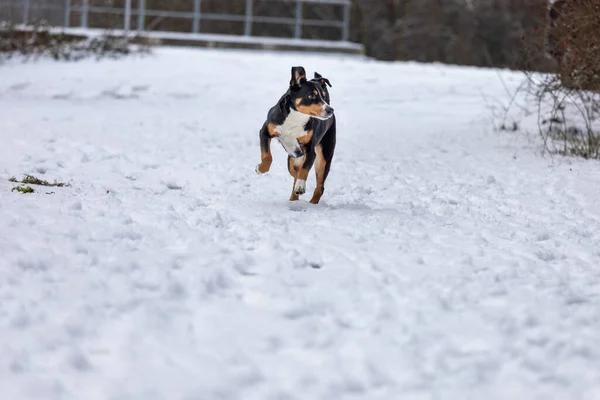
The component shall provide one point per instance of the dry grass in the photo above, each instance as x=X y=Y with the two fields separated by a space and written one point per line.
x=32 y=180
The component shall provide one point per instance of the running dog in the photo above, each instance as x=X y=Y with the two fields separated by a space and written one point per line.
x=304 y=123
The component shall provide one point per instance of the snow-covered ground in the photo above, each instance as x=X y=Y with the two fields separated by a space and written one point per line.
x=445 y=261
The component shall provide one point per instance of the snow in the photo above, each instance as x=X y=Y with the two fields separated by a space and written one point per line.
x=445 y=260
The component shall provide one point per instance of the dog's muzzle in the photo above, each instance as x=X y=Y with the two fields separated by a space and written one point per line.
x=327 y=112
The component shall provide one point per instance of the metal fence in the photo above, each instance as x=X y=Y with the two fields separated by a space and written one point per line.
x=286 y=18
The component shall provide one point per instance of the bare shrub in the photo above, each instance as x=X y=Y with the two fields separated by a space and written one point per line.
x=567 y=91
x=39 y=40
x=568 y=119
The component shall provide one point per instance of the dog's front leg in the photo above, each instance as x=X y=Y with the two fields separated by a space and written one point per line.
x=266 y=159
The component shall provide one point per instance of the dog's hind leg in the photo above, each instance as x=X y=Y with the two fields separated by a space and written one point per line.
x=320 y=165
x=299 y=168
x=324 y=155
x=266 y=159
x=300 y=179
x=294 y=165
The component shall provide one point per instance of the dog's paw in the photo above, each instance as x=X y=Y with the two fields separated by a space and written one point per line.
x=300 y=187
x=257 y=170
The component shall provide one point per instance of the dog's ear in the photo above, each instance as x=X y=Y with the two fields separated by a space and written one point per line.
x=323 y=81
x=298 y=76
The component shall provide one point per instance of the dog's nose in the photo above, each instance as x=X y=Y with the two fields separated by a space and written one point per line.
x=329 y=110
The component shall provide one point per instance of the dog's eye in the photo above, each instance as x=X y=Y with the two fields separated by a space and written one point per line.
x=312 y=96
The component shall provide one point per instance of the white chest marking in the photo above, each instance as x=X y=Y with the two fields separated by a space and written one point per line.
x=291 y=129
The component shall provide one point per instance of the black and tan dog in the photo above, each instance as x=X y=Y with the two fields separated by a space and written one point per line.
x=304 y=123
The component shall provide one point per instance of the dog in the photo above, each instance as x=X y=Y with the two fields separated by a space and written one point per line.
x=303 y=121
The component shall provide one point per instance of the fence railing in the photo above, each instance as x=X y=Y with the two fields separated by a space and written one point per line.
x=84 y=9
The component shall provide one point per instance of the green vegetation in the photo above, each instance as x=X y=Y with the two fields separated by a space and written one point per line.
x=23 y=189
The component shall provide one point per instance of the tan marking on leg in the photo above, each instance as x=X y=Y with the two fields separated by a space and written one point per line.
x=294 y=165
x=266 y=159
x=271 y=128
x=303 y=173
x=304 y=140
x=320 y=172
x=294 y=196
x=291 y=169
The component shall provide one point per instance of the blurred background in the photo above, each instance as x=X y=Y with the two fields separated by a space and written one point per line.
x=488 y=33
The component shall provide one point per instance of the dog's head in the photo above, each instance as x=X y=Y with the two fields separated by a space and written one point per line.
x=323 y=83
x=309 y=96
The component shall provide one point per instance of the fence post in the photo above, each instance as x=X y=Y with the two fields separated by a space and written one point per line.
x=127 y=16
x=67 y=21
x=141 y=15
x=25 y=12
x=196 y=23
x=346 y=28
x=84 y=14
x=248 y=22
x=298 y=30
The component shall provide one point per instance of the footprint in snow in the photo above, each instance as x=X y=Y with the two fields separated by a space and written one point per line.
x=150 y=166
x=309 y=264
x=117 y=95
x=19 y=86
x=140 y=88
x=182 y=96
x=298 y=206
x=541 y=237
x=545 y=255
x=62 y=96
x=79 y=361
x=173 y=185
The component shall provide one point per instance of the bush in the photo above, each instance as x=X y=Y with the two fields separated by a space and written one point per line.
x=568 y=118
x=573 y=39
x=567 y=95
x=40 y=40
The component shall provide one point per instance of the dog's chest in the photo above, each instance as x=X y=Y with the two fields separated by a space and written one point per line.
x=291 y=129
